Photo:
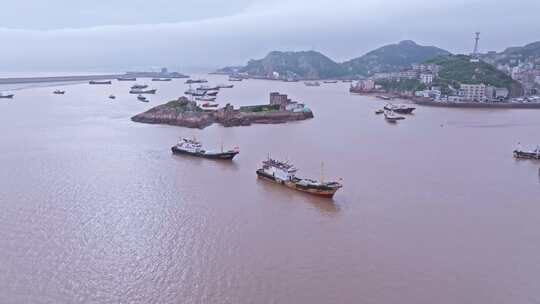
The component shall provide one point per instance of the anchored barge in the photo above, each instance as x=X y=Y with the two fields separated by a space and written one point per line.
x=533 y=154
x=284 y=174
x=400 y=108
x=194 y=148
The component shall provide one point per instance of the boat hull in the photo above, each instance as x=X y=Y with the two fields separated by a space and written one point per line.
x=10 y=96
x=526 y=155
x=326 y=192
x=228 y=155
x=401 y=111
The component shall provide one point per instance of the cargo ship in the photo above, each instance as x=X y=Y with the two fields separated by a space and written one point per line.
x=139 y=86
x=284 y=174
x=140 y=91
x=100 y=82
x=532 y=154
x=399 y=108
x=195 y=148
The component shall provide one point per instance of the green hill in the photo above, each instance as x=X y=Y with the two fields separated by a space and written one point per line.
x=514 y=55
x=302 y=65
x=393 y=57
x=458 y=69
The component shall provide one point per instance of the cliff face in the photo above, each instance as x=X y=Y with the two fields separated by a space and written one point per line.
x=186 y=113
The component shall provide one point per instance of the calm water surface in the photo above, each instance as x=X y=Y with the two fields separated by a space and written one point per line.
x=95 y=209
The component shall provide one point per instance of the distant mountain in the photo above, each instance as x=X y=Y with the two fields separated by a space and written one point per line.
x=514 y=55
x=314 y=65
x=392 y=58
x=300 y=65
x=458 y=69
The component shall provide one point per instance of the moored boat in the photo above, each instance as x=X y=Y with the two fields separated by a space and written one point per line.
x=210 y=105
x=6 y=96
x=112 y=96
x=126 y=79
x=390 y=116
x=379 y=111
x=400 y=108
x=195 y=148
x=531 y=154
x=212 y=93
x=225 y=86
x=161 y=79
x=233 y=78
x=140 y=91
x=59 y=92
x=312 y=83
x=190 y=81
x=284 y=174
x=330 y=81
x=100 y=82
x=139 y=86
x=142 y=98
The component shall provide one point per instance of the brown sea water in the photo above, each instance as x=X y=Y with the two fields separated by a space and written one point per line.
x=95 y=209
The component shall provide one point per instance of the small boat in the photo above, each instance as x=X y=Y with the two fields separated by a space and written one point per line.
x=225 y=86
x=330 y=81
x=194 y=92
x=195 y=148
x=190 y=81
x=142 y=98
x=126 y=79
x=205 y=98
x=59 y=92
x=531 y=154
x=139 y=91
x=112 y=97
x=6 y=96
x=284 y=174
x=207 y=88
x=161 y=79
x=392 y=117
x=399 y=108
x=212 y=93
x=383 y=97
x=347 y=81
x=139 y=86
x=233 y=78
x=100 y=82
x=379 y=111
x=210 y=105
x=312 y=84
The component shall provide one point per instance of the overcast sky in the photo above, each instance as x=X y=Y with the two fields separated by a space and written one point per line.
x=49 y=35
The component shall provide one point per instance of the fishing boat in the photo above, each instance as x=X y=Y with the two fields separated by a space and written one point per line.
x=330 y=81
x=195 y=148
x=210 y=105
x=142 y=98
x=284 y=174
x=205 y=98
x=140 y=91
x=379 y=111
x=312 y=84
x=400 y=108
x=139 y=86
x=59 y=92
x=206 y=88
x=391 y=116
x=194 y=92
x=190 y=81
x=100 y=82
x=212 y=93
x=161 y=79
x=6 y=96
x=112 y=97
x=126 y=79
x=225 y=86
x=524 y=154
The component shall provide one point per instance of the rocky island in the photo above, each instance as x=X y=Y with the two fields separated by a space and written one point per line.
x=186 y=113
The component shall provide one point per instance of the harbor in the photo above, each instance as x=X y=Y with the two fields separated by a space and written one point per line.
x=101 y=188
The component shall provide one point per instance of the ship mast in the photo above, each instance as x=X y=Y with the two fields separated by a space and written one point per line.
x=322 y=172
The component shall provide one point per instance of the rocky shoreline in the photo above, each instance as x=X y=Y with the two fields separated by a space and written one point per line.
x=186 y=113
